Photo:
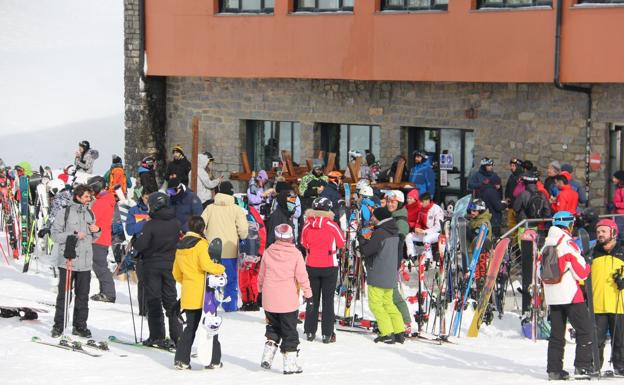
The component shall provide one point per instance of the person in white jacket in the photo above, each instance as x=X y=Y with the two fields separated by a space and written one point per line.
x=206 y=182
x=427 y=228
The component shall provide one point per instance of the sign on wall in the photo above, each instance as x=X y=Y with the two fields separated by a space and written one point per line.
x=446 y=161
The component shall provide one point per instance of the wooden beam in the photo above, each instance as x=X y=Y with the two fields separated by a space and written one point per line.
x=288 y=164
x=195 y=152
x=245 y=163
x=331 y=162
x=309 y=164
x=398 y=175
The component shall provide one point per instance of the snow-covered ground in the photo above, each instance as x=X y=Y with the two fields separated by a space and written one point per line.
x=499 y=355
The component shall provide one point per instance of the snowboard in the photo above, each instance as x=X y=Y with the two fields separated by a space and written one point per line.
x=586 y=250
x=207 y=333
x=490 y=279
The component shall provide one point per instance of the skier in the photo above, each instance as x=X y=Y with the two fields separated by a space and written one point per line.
x=76 y=220
x=426 y=229
x=618 y=201
x=104 y=210
x=577 y=186
x=147 y=175
x=422 y=173
x=367 y=204
x=157 y=244
x=381 y=257
x=413 y=207
x=554 y=168
x=485 y=176
x=206 y=181
x=607 y=269
x=282 y=274
x=566 y=301
x=184 y=201
x=332 y=192
x=85 y=157
x=116 y=176
x=566 y=199
x=312 y=184
x=257 y=196
x=282 y=212
x=179 y=167
x=191 y=264
x=250 y=252
x=322 y=238
x=138 y=216
x=226 y=220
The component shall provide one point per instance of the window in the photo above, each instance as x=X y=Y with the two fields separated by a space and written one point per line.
x=266 y=139
x=512 y=3
x=323 y=5
x=342 y=138
x=416 y=5
x=247 y=6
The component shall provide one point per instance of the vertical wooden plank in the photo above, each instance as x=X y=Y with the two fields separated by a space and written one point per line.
x=289 y=166
x=195 y=152
x=309 y=164
x=245 y=163
x=331 y=163
x=398 y=175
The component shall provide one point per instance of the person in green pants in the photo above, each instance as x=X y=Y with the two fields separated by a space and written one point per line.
x=381 y=254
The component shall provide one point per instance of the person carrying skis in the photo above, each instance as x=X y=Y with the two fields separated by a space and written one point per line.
x=85 y=157
x=607 y=270
x=565 y=298
x=184 y=201
x=282 y=275
x=157 y=244
x=422 y=173
x=322 y=238
x=179 y=167
x=381 y=257
x=190 y=266
x=75 y=220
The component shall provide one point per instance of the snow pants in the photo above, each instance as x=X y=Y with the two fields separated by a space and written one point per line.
x=427 y=239
x=81 y=282
x=401 y=305
x=102 y=272
x=578 y=315
x=248 y=283
x=323 y=283
x=614 y=325
x=282 y=328
x=183 y=347
x=231 y=288
x=160 y=292
x=385 y=311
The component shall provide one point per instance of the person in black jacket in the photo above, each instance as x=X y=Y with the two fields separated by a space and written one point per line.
x=179 y=167
x=157 y=245
x=184 y=201
x=332 y=192
x=283 y=211
x=491 y=195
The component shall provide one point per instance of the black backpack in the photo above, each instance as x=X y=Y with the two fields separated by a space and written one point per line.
x=537 y=206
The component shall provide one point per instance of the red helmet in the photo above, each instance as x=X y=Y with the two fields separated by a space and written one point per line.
x=610 y=223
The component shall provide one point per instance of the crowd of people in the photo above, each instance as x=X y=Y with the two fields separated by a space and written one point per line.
x=283 y=241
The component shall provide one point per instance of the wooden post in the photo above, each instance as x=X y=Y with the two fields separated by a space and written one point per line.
x=288 y=164
x=398 y=175
x=309 y=164
x=331 y=163
x=245 y=163
x=195 y=153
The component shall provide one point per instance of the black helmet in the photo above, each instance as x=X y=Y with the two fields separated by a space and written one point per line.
x=478 y=205
x=85 y=144
x=209 y=156
x=157 y=200
x=487 y=162
x=322 y=203
x=148 y=162
x=97 y=183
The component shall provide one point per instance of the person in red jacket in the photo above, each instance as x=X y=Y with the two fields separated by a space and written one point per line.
x=322 y=238
x=567 y=199
x=413 y=208
x=618 y=201
x=104 y=211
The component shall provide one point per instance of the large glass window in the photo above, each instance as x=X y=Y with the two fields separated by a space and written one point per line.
x=512 y=3
x=323 y=5
x=266 y=139
x=416 y=5
x=247 y=6
x=342 y=138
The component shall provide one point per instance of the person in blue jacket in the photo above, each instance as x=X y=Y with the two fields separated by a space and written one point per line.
x=138 y=215
x=422 y=174
x=185 y=202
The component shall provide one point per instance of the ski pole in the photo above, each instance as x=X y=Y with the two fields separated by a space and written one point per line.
x=68 y=280
x=6 y=259
x=131 y=307
x=617 y=306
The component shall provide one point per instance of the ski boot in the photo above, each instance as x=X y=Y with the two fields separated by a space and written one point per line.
x=329 y=339
x=82 y=332
x=102 y=298
x=389 y=339
x=214 y=366
x=311 y=336
x=56 y=331
x=585 y=373
x=181 y=365
x=246 y=306
x=399 y=337
x=270 y=347
x=290 y=363
x=558 y=376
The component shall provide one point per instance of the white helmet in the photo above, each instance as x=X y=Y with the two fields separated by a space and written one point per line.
x=367 y=191
x=396 y=195
x=361 y=184
x=55 y=186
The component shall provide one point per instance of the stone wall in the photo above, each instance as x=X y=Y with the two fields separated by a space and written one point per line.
x=528 y=121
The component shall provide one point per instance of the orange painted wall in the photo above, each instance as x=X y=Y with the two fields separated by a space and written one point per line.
x=190 y=38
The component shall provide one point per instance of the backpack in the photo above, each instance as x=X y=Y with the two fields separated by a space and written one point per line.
x=550 y=273
x=537 y=206
x=117 y=177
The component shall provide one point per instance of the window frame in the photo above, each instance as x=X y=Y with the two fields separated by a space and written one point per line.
x=251 y=127
x=240 y=10
x=326 y=129
x=341 y=7
x=434 y=6
x=534 y=3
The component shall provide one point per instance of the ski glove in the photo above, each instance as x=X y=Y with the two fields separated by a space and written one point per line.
x=619 y=280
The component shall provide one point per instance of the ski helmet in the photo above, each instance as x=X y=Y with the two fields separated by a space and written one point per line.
x=563 y=219
x=361 y=184
x=367 y=192
x=529 y=177
x=610 y=223
x=335 y=176
x=97 y=183
x=148 y=162
x=322 y=203
x=477 y=205
x=396 y=195
x=84 y=144
x=487 y=162
x=420 y=153
x=157 y=200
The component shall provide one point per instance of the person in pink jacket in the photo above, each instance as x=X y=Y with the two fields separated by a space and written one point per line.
x=282 y=274
x=618 y=201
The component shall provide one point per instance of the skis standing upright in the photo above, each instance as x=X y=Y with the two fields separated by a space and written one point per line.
x=587 y=254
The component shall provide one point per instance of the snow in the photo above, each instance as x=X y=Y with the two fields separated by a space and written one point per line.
x=500 y=354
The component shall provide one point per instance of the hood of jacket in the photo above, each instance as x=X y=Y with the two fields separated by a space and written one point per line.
x=93 y=153
x=482 y=218
x=202 y=161
x=400 y=213
x=223 y=200
x=554 y=234
x=283 y=251
x=389 y=225
x=424 y=164
x=262 y=175
x=190 y=240
x=165 y=213
x=317 y=219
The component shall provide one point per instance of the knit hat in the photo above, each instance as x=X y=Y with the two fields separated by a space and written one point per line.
x=117 y=159
x=226 y=188
x=556 y=165
x=567 y=167
x=619 y=175
x=282 y=186
x=262 y=175
x=413 y=194
x=284 y=232
x=178 y=148
x=382 y=213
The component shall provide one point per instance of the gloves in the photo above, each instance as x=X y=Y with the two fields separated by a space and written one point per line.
x=619 y=280
x=43 y=232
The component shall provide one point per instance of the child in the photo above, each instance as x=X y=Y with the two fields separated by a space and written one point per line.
x=282 y=272
x=191 y=263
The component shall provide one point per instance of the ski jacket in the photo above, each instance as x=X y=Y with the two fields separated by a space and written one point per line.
x=493 y=201
x=381 y=254
x=148 y=179
x=511 y=184
x=277 y=217
x=180 y=168
x=159 y=238
x=430 y=218
x=116 y=176
x=78 y=219
x=282 y=273
x=61 y=200
x=567 y=200
x=137 y=217
x=423 y=177
x=521 y=203
x=331 y=192
x=400 y=216
x=190 y=267
x=475 y=224
x=226 y=220
x=481 y=178
x=322 y=238
x=573 y=268
x=618 y=199
x=604 y=265
x=412 y=214
x=310 y=180
x=205 y=180
x=104 y=210
x=186 y=204
x=255 y=193
x=262 y=232
x=85 y=163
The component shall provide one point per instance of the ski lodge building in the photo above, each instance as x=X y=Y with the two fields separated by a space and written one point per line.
x=540 y=80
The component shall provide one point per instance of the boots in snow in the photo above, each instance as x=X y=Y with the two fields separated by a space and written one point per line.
x=290 y=363
x=270 y=347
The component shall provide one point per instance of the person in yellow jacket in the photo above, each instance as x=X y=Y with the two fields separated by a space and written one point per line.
x=607 y=271
x=191 y=263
